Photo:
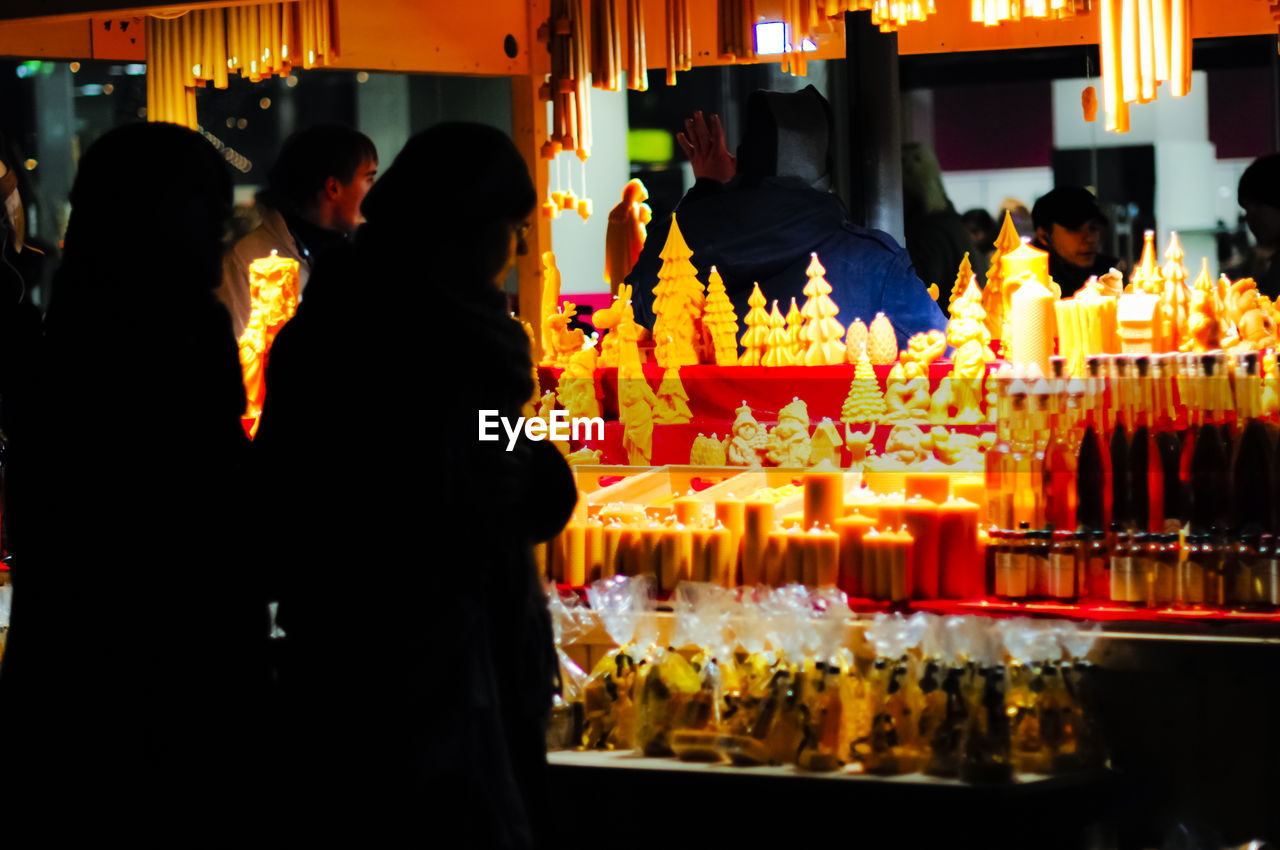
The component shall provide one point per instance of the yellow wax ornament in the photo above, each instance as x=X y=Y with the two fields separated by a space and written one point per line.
x=882 y=342
x=273 y=299
x=755 y=339
x=906 y=394
x=924 y=348
x=855 y=344
x=550 y=209
x=1138 y=314
x=858 y=443
x=625 y=235
x=965 y=278
x=1024 y=260
x=720 y=321
x=607 y=320
x=993 y=298
x=672 y=403
x=821 y=332
x=788 y=443
x=904 y=447
x=677 y=303
x=1144 y=271
x=707 y=451
x=584 y=208
x=865 y=402
x=778 y=352
x=1270 y=385
x=959 y=450
x=1202 y=325
x=569 y=201
x=1176 y=299
x=825 y=444
x=747 y=440
x=635 y=412
x=968 y=371
x=795 y=344
x=577 y=386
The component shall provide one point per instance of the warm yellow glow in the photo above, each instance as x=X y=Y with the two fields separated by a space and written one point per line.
x=1142 y=43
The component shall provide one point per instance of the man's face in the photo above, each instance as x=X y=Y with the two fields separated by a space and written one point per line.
x=1079 y=247
x=1264 y=221
x=347 y=197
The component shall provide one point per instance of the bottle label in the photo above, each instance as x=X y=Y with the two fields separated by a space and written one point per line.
x=1122 y=579
x=1062 y=575
x=1011 y=575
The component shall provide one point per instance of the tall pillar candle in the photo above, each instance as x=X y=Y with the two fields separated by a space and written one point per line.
x=851 y=530
x=1031 y=320
x=700 y=569
x=821 y=557
x=722 y=556
x=1026 y=259
x=688 y=510
x=595 y=549
x=901 y=566
x=823 y=498
x=575 y=554
x=960 y=565
x=729 y=513
x=873 y=546
x=649 y=551
x=778 y=554
x=757 y=523
x=934 y=486
x=611 y=565
x=675 y=555
x=921 y=517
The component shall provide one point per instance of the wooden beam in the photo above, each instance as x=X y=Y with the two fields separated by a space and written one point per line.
x=529 y=130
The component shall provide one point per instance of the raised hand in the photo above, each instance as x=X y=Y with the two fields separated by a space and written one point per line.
x=703 y=142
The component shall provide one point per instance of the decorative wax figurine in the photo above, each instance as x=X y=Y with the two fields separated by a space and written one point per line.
x=635 y=412
x=755 y=339
x=273 y=294
x=707 y=451
x=865 y=402
x=821 y=332
x=606 y=320
x=719 y=320
x=747 y=441
x=577 y=387
x=940 y=402
x=1270 y=385
x=952 y=447
x=968 y=371
x=906 y=446
x=924 y=348
x=677 y=304
x=825 y=444
x=672 y=403
x=1203 y=326
x=993 y=295
x=859 y=444
x=1176 y=298
x=624 y=238
x=788 y=442
x=584 y=456
x=882 y=342
x=855 y=341
x=906 y=395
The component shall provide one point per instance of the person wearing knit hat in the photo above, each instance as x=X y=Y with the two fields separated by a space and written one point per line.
x=1259 y=195
x=760 y=216
x=436 y=703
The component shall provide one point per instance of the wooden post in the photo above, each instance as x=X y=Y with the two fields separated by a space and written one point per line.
x=529 y=130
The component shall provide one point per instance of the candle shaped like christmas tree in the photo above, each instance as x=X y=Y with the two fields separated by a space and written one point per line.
x=677 y=302
x=795 y=342
x=720 y=321
x=865 y=402
x=1176 y=299
x=993 y=298
x=672 y=403
x=755 y=339
x=778 y=351
x=1144 y=273
x=964 y=279
x=822 y=333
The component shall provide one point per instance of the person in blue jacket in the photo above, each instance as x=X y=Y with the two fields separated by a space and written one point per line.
x=759 y=216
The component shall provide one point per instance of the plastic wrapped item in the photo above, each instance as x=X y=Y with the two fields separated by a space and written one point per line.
x=750 y=695
x=565 y=728
x=609 y=695
x=821 y=697
x=987 y=749
x=946 y=709
x=1032 y=710
x=702 y=618
x=894 y=746
x=1077 y=675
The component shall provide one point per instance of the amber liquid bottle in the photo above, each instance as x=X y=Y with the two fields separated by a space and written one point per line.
x=1168 y=442
x=1146 y=485
x=1191 y=394
x=1060 y=463
x=1207 y=475
x=1093 y=459
x=1251 y=461
x=1020 y=467
x=1121 y=509
x=998 y=474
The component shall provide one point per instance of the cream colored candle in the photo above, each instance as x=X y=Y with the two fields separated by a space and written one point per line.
x=1032 y=322
x=934 y=486
x=595 y=549
x=899 y=565
x=961 y=569
x=729 y=513
x=575 y=554
x=722 y=557
x=970 y=489
x=700 y=569
x=851 y=529
x=821 y=557
x=873 y=570
x=675 y=556
x=757 y=523
x=688 y=510
x=611 y=565
x=823 y=498
x=649 y=551
x=778 y=555
x=1026 y=259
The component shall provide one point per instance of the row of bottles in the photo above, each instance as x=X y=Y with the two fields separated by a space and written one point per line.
x=1152 y=481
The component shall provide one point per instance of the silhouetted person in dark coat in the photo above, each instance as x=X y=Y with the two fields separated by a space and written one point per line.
x=135 y=667
x=420 y=662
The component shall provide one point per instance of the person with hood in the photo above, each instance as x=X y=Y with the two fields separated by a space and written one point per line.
x=135 y=678
x=1259 y=196
x=420 y=661
x=758 y=217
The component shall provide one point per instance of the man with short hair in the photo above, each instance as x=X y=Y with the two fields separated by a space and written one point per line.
x=310 y=206
x=1259 y=196
x=1069 y=226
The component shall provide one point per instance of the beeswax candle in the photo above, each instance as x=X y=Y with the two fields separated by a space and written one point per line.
x=823 y=498
x=757 y=523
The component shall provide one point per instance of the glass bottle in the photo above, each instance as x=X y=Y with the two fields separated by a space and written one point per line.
x=1060 y=465
x=1265 y=575
x=1123 y=568
x=1011 y=565
x=1163 y=566
x=1121 y=510
x=1064 y=558
x=1038 y=563
x=1192 y=570
x=998 y=468
x=1251 y=462
x=1207 y=475
x=1095 y=567
x=1168 y=442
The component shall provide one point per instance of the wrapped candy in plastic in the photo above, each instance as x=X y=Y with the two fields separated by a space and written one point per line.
x=668 y=694
x=609 y=695
x=821 y=695
x=1034 y=708
x=788 y=609
x=565 y=728
x=702 y=614
x=749 y=694
x=1082 y=750
x=987 y=756
x=946 y=710
x=894 y=745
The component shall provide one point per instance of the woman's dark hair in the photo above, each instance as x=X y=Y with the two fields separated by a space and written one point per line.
x=311 y=156
x=1260 y=182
